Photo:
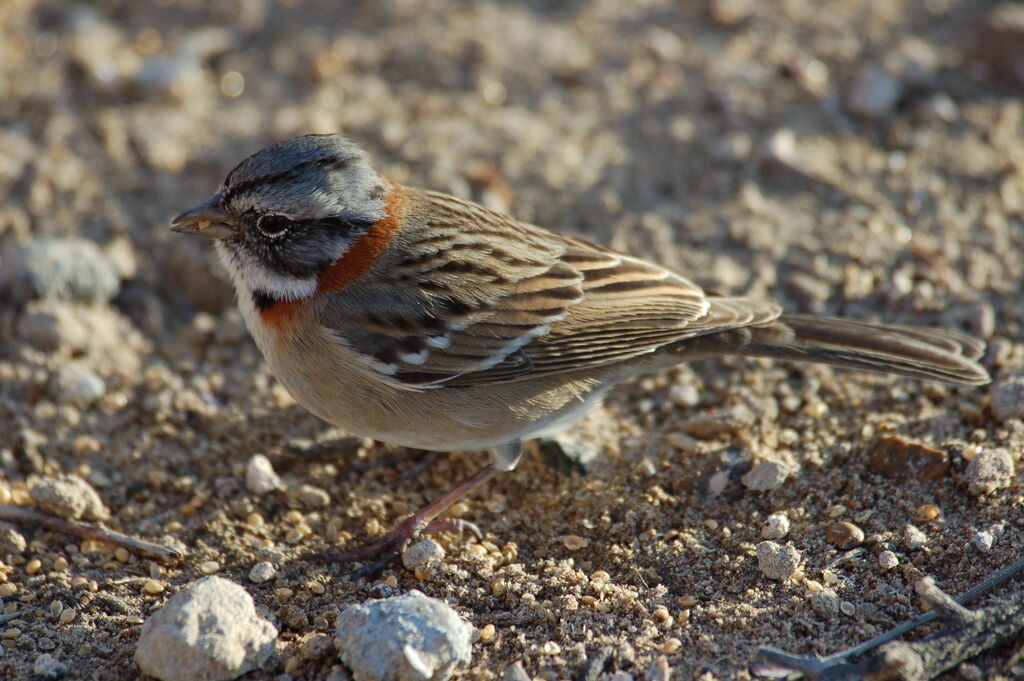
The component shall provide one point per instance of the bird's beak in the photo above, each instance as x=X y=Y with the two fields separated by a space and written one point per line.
x=207 y=219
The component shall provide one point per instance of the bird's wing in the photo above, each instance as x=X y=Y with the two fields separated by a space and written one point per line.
x=474 y=297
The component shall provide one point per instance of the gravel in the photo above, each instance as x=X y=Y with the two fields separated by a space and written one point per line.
x=411 y=637
x=208 y=631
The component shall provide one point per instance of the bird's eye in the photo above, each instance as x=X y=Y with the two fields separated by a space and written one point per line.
x=273 y=225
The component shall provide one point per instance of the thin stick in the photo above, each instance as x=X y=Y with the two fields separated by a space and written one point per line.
x=33 y=518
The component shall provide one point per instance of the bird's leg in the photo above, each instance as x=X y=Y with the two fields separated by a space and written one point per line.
x=425 y=520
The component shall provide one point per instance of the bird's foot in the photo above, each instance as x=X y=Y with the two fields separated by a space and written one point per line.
x=388 y=548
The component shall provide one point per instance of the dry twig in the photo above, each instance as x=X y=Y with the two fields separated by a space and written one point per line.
x=33 y=518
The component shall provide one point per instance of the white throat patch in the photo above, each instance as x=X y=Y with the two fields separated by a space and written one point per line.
x=249 y=275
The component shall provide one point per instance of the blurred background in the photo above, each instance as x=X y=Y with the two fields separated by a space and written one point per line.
x=857 y=157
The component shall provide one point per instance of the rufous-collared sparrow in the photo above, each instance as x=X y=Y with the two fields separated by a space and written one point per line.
x=423 y=320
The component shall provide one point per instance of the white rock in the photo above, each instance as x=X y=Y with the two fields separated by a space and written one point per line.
x=260 y=477
x=766 y=476
x=421 y=553
x=913 y=537
x=405 y=638
x=69 y=496
x=888 y=560
x=1008 y=396
x=261 y=572
x=776 y=526
x=208 y=631
x=47 y=666
x=983 y=540
x=78 y=384
x=777 y=561
x=874 y=93
x=989 y=471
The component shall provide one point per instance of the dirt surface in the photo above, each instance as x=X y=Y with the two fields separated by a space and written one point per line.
x=846 y=158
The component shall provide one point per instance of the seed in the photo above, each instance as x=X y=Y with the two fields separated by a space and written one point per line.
x=122 y=555
x=926 y=513
x=67 y=616
x=283 y=593
x=7 y=589
x=209 y=567
x=13 y=632
x=487 y=633
x=56 y=607
x=835 y=511
x=844 y=535
x=687 y=601
x=33 y=566
x=499 y=588
x=671 y=646
x=60 y=565
x=317 y=588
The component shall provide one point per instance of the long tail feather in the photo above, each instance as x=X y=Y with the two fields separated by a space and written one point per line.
x=920 y=353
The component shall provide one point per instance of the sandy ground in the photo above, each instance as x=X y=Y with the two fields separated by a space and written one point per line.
x=847 y=158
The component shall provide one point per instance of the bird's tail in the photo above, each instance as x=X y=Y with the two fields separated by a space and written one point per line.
x=930 y=354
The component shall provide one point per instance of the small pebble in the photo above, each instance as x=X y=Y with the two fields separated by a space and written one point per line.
x=874 y=93
x=766 y=476
x=983 y=540
x=77 y=384
x=421 y=553
x=260 y=477
x=11 y=541
x=989 y=471
x=913 y=537
x=487 y=633
x=1007 y=395
x=659 y=670
x=209 y=567
x=515 y=672
x=47 y=666
x=844 y=535
x=848 y=608
x=72 y=269
x=776 y=526
x=69 y=496
x=152 y=587
x=312 y=497
x=825 y=602
x=888 y=560
x=777 y=561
